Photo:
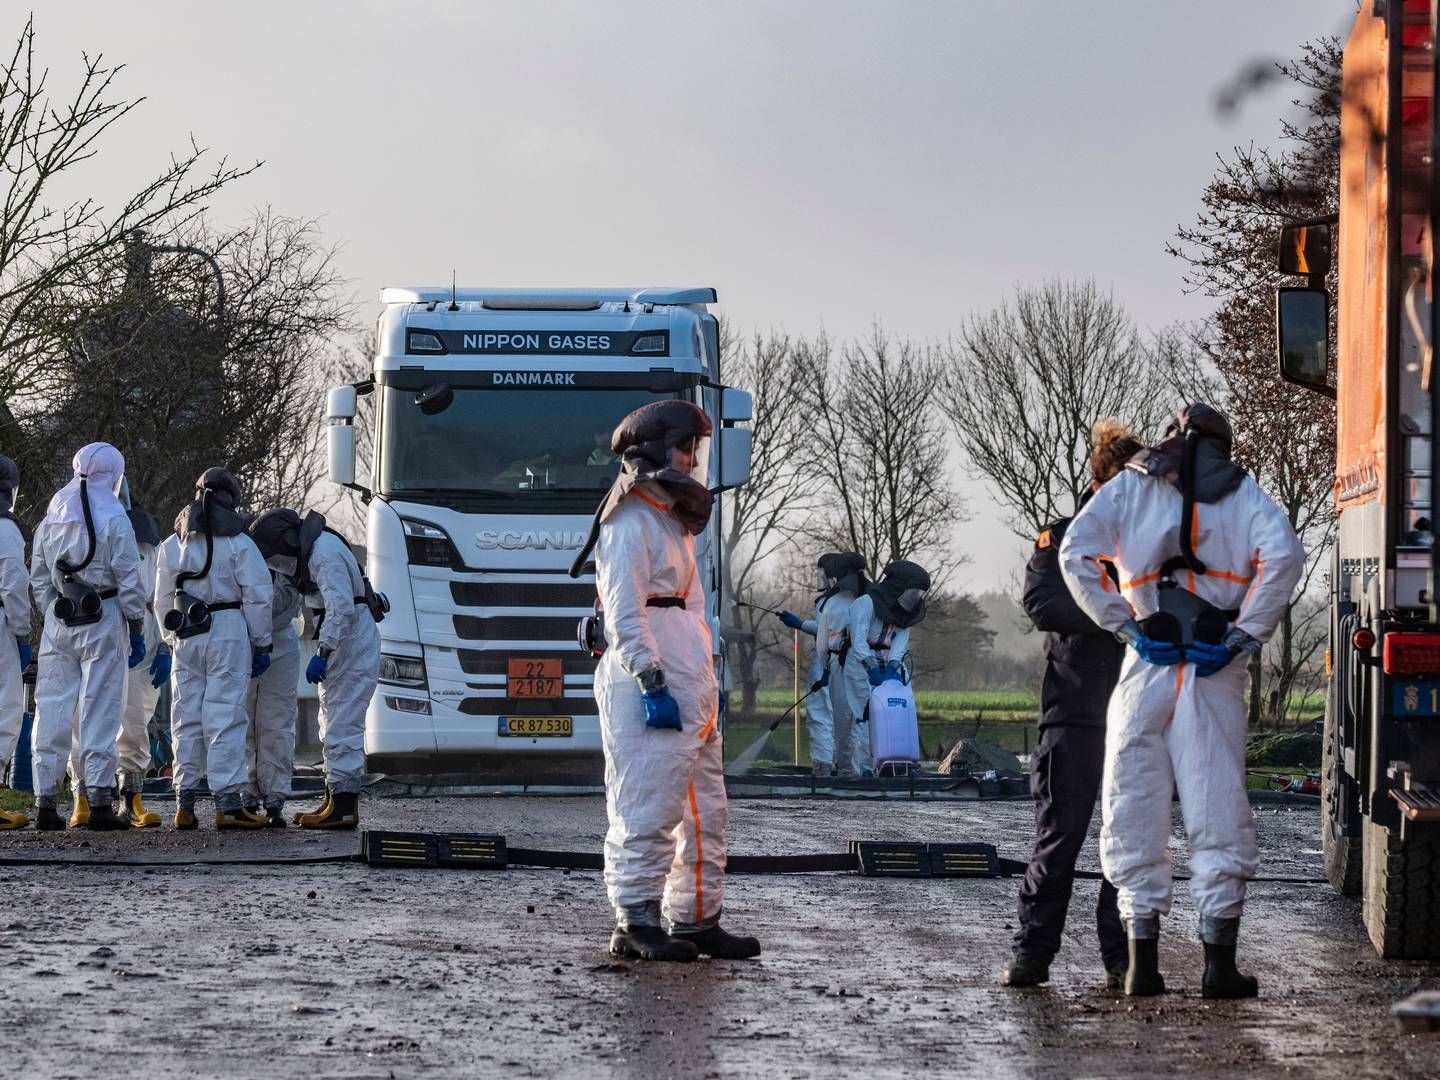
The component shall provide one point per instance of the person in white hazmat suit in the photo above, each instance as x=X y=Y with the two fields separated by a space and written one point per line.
x=142 y=690
x=1206 y=562
x=15 y=609
x=187 y=735
x=878 y=638
x=213 y=597
x=658 y=695
x=85 y=574
x=272 y=706
x=839 y=577
x=347 y=663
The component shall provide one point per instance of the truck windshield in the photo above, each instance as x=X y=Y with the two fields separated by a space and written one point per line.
x=522 y=450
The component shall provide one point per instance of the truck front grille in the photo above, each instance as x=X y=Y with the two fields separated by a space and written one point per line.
x=506 y=628
x=523 y=594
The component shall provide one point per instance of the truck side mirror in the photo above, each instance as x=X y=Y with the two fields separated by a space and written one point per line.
x=340 y=403
x=736 y=405
x=340 y=442
x=1302 y=320
x=1305 y=248
x=735 y=447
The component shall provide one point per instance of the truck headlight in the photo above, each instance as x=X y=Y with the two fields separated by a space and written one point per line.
x=428 y=545
x=409 y=705
x=402 y=670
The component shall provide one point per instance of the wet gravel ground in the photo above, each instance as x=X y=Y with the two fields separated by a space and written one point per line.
x=344 y=971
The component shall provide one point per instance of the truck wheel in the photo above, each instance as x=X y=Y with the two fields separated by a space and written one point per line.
x=1343 y=863
x=1402 y=882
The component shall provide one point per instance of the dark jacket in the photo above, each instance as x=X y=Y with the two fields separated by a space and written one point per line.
x=1082 y=661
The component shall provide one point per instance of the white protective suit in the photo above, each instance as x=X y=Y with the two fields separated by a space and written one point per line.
x=872 y=642
x=133 y=744
x=353 y=670
x=1166 y=728
x=272 y=704
x=828 y=716
x=665 y=789
x=187 y=736
x=212 y=669
x=83 y=667
x=15 y=600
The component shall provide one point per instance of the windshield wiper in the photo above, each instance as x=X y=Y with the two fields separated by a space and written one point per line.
x=480 y=493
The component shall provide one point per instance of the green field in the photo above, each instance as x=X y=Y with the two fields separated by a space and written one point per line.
x=1004 y=717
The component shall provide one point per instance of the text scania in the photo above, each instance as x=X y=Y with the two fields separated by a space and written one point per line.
x=532 y=378
x=516 y=541
x=531 y=342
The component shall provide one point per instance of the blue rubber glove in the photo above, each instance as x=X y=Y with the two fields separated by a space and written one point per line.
x=894 y=671
x=661 y=709
x=137 y=648
x=26 y=655
x=724 y=701
x=878 y=674
x=1159 y=653
x=1208 y=659
x=790 y=619
x=160 y=669
x=260 y=663
x=315 y=670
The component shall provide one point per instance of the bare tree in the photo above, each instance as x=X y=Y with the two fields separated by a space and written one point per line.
x=1023 y=384
x=44 y=247
x=761 y=517
x=153 y=368
x=1284 y=434
x=878 y=447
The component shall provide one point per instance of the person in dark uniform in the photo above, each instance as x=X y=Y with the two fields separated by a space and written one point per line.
x=1082 y=665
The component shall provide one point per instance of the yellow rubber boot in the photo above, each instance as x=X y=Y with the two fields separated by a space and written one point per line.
x=13 y=819
x=80 y=816
x=311 y=820
x=185 y=819
x=341 y=811
x=134 y=810
x=239 y=818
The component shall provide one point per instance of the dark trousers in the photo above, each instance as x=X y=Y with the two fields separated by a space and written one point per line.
x=1065 y=776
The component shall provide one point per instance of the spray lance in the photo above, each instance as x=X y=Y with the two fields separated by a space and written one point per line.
x=747 y=757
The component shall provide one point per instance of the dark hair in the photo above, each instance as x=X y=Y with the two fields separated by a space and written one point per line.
x=1114 y=445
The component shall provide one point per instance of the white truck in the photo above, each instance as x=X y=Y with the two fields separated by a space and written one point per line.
x=491 y=411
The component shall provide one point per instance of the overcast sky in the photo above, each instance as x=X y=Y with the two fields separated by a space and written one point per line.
x=820 y=164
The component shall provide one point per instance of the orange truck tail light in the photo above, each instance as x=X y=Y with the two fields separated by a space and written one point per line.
x=1412 y=654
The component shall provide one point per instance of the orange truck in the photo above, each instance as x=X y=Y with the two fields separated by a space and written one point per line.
x=1381 y=776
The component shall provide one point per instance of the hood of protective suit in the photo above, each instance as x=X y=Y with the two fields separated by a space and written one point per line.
x=846 y=571
x=219 y=488
x=644 y=440
x=146 y=529
x=1212 y=475
x=900 y=577
x=102 y=467
x=9 y=481
x=285 y=539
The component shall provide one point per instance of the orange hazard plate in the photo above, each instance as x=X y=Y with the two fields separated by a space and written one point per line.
x=535 y=679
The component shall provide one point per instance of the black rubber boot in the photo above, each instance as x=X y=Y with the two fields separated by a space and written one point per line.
x=276 y=815
x=103 y=818
x=48 y=819
x=716 y=941
x=1143 y=978
x=1222 y=978
x=1026 y=969
x=1115 y=978
x=651 y=943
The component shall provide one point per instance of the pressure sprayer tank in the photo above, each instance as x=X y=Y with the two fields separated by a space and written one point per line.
x=894 y=728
